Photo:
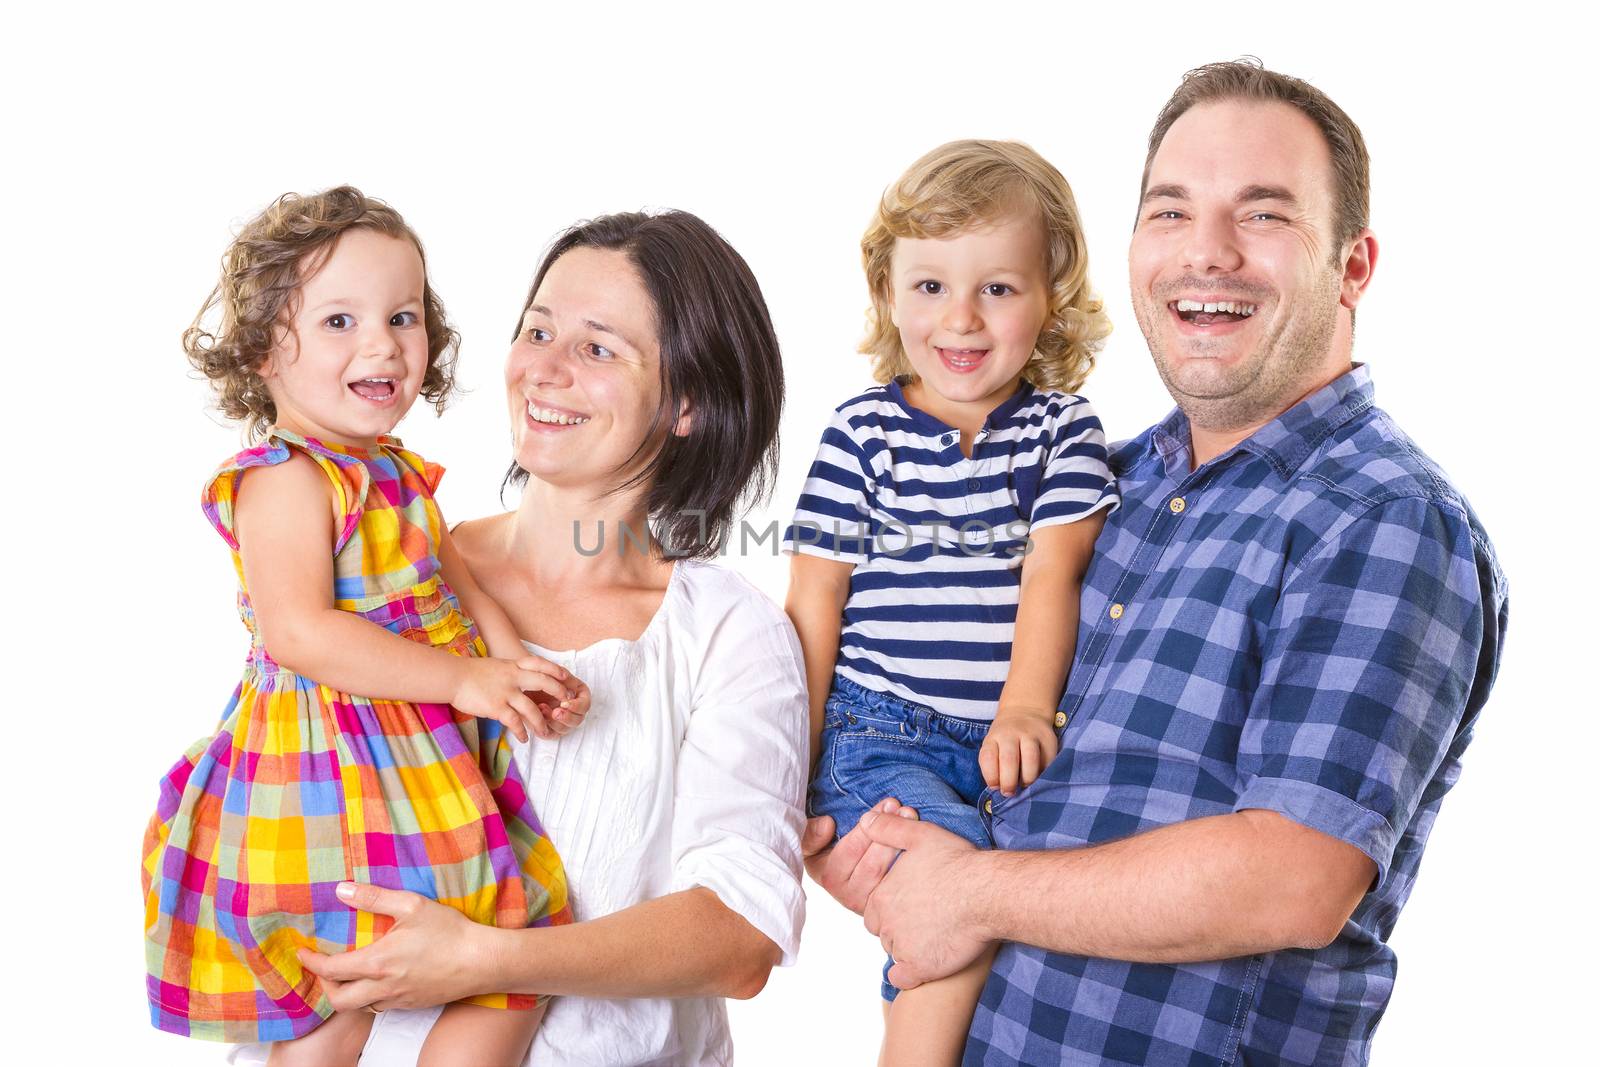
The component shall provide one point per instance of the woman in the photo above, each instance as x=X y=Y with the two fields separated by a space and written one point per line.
x=645 y=388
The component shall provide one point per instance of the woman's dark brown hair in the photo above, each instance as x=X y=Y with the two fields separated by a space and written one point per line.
x=262 y=272
x=719 y=361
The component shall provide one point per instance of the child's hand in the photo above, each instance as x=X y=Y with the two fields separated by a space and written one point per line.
x=498 y=689
x=1019 y=745
x=569 y=713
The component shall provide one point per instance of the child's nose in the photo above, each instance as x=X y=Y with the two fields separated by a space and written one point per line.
x=961 y=315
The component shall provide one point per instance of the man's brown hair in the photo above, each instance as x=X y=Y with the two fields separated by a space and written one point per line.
x=1247 y=79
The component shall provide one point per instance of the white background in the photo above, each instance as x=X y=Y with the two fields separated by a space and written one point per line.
x=137 y=139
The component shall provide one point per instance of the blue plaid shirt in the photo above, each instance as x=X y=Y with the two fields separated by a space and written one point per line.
x=1308 y=624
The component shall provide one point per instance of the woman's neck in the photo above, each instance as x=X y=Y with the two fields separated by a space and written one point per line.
x=567 y=538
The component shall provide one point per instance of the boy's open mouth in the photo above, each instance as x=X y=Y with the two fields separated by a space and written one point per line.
x=374 y=388
x=962 y=359
x=1212 y=313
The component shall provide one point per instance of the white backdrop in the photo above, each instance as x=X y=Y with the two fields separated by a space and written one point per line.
x=137 y=139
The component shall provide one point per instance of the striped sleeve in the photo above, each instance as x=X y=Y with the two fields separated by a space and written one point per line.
x=832 y=516
x=1077 y=481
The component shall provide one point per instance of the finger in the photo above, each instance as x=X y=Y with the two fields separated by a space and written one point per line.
x=1032 y=759
x=896 y=833
x=1009 y=761
x=989 y=764
x=352 y=996
x=513 y=722
x=904 y=976
x=399 y=903
x=528 y=711
x=543 y=666
x=534 y=682
x=818 y=835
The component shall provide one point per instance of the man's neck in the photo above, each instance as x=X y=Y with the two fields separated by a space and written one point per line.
x=1206 y=443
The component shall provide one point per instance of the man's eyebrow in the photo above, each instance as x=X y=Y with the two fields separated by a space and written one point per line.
x=1169 y=191
x=1266 y=192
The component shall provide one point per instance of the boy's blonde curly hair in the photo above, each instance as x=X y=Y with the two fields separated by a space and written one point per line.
x=970 y=183
x=262 y=272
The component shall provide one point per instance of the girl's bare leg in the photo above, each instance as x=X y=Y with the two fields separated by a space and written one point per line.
x=470 y=1035
x=336 y=1043
x=927 y=1026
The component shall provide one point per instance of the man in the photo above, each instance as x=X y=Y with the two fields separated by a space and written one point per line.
x=1286 y=636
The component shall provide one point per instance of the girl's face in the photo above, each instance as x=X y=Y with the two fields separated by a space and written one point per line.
x=969 y=308
x=583 y=379
x=352 y=360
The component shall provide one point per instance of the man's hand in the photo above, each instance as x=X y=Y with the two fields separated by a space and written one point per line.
x=927 y=910
x=1020 y=743
x=852 y=869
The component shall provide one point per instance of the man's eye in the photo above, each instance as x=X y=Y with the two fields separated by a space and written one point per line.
x=338 y=322
x=997 y=289
x=1168 y=215
x=403 y=318
x=1265 y=216
x=600 y=351
x=930 y=287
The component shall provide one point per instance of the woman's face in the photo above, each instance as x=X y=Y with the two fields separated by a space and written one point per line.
x=583 y=379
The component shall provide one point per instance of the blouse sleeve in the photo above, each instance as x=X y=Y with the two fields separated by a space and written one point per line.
x=740 y=785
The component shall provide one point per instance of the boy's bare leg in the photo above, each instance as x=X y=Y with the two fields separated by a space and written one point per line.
x=336 y=1043
x=470 y=1035
x=927 y=1026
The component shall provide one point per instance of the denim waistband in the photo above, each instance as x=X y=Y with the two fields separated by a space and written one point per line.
x=872 y=699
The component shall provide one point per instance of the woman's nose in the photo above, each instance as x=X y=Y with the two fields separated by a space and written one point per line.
x=546 y=364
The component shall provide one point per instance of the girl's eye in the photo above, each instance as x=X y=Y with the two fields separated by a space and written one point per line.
x=600 y=351
x=930 y=287
x=997 y=289
x=338 y=322
x=538 y=336
x=403 y=318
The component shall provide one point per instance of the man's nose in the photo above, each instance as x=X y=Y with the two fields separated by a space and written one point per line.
x=1211 y=245
x=961 y=315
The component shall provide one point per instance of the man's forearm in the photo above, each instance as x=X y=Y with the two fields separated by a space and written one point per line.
x=1212 y=888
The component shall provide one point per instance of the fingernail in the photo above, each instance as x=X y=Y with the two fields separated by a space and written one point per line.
x=345 y=890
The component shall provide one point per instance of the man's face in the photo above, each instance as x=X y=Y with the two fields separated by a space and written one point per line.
x=1238 y=212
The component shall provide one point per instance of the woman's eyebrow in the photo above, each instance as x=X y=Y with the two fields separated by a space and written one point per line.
x=598 y=327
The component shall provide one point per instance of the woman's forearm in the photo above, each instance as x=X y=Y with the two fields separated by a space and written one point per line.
x=686 y=944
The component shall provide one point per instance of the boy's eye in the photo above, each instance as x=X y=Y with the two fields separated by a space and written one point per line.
x=403 y=318
x=338 y=322
x=997 y=289
x=930 y=287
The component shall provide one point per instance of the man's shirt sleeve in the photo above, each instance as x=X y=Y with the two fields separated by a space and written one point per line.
x=832 y=516
x=1367 y=667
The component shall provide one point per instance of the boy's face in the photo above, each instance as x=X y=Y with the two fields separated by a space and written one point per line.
x=969 y=308
x=352 y=360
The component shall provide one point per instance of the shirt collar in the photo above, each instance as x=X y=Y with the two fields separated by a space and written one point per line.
x=1287 y=440
x=935 y=425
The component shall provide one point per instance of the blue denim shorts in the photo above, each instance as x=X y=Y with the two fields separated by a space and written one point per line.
x=875 y=745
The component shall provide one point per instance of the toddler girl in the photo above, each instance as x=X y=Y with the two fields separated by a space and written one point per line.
x=946 y=523
x=349 y=584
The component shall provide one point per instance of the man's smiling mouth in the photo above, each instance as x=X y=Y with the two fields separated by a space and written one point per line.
x=1212 y=312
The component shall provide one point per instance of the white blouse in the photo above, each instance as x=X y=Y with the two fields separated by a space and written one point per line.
x=688 y=771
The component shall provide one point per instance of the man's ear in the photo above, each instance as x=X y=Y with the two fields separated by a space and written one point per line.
x=685 y=421
x=1359 y=263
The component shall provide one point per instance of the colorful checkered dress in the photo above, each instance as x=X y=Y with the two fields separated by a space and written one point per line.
x=303 y=787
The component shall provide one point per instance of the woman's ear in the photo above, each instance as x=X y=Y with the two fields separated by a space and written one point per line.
x=685 y=421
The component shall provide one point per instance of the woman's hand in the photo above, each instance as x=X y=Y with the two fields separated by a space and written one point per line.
x=432 y=955
x=498 y=689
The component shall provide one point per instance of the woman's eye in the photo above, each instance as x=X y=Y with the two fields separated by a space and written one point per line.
x=538 y=336
x=403 y=318
x=338 y=322
x=997 y=289
x=600 y=351
x=931 y=288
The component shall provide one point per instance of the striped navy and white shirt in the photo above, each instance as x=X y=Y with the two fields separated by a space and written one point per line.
x=937 y=538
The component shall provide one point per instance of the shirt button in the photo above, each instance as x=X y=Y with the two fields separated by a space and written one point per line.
x=949 y=438
x=1061 y=719
x=1116 y=611
x=1177 y=505
x=988 y=807
x=972 y=483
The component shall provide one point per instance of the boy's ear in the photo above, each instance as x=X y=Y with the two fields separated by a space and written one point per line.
x=894 y=312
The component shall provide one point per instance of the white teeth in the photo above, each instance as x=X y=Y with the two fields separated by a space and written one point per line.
x=1227 y=307
x=558 y=418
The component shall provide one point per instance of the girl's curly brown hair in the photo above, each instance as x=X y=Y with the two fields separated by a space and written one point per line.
x=262 y=272
x=970 y=183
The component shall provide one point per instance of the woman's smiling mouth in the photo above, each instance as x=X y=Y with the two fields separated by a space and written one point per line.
x=552 y=417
